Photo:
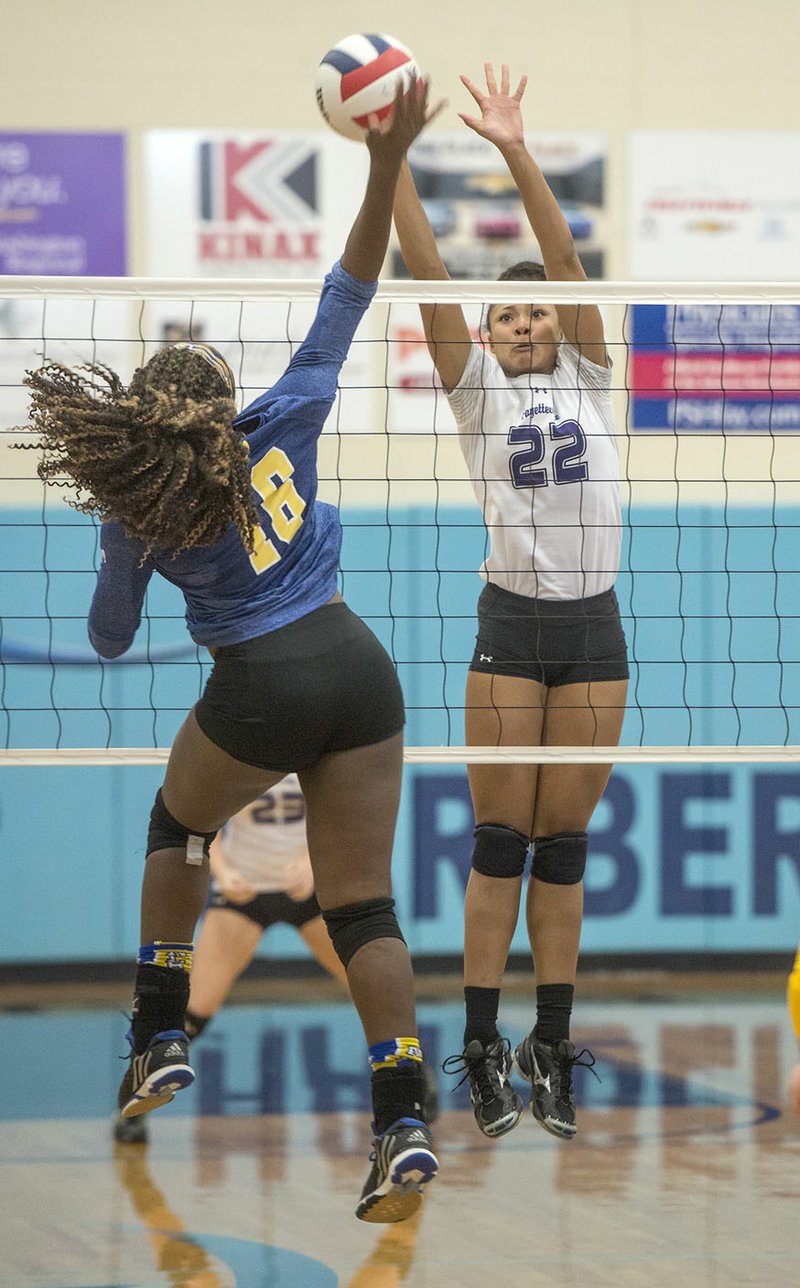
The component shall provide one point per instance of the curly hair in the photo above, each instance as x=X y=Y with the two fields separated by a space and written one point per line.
x=161 y=457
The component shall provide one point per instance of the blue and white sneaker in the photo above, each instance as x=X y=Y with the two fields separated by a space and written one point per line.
x=154 y=1076
x=403 y=1163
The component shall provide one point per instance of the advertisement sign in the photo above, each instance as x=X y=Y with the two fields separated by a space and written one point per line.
x=715 y=206
x=62 y=204
x=701 y=367
x=62 y=212
x=242 y=204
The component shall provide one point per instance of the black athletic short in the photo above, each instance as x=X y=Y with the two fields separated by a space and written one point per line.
x=281 y=701
x=552 y=641
x=271 y=909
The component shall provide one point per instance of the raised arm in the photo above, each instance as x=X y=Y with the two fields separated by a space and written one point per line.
x=314 y=369
x=445 y=326
x=366 y=245
x=501 y=123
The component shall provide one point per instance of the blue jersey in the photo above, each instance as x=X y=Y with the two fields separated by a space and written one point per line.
x=232 y=595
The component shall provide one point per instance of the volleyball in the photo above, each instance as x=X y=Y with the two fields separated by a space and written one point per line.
x=359 y=77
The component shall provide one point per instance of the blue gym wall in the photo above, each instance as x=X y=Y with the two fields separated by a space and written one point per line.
x=683 y=858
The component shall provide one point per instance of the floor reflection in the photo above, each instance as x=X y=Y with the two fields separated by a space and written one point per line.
x=686 y=1164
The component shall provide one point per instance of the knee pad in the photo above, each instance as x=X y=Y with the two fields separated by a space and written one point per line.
x=356 y=924
x=560 y=859
x=166 y=833
x=499 y=851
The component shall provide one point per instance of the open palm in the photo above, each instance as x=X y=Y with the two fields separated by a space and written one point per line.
x=500 y=120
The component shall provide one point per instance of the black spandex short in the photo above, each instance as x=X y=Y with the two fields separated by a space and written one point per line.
x=281 y=701
x=271 y=909
x=552 y=641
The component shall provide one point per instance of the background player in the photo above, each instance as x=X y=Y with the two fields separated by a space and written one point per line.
x=536 y=427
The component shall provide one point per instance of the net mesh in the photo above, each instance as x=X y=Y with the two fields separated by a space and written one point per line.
x=706 y=386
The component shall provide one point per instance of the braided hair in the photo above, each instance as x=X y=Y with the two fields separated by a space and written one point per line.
x=161 y=457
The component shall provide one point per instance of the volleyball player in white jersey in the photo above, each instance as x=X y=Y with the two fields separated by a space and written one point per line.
x=535 y=421
x=261 y=877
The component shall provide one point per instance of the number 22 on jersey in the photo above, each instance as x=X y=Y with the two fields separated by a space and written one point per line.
x=272 y=479
x=567 y=458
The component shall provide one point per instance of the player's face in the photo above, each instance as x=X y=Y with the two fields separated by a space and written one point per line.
x=524 y=337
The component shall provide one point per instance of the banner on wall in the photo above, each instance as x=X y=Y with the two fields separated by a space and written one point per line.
x=228 y=204
x=699 y=367
x=62 y=211
x=682 y=859
x=244 y=204
x=715 y=207
x=62 y=204
x=481 y=229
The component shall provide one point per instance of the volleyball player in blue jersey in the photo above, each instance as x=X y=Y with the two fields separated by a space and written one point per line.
x=225 y=507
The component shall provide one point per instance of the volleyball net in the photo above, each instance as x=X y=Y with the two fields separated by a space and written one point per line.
x=706 y=386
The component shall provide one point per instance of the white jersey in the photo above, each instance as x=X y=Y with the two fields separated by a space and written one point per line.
x=266 y=841
x=542 y=456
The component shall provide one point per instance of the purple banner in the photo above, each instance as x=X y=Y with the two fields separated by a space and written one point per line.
x=62 y=204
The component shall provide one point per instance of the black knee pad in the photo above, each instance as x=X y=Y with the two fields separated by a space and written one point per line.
x=560 y=859
x=356 y=924
x=166 y=833
x=499 y=851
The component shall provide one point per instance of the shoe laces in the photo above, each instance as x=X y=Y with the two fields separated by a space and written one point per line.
x=566 y=1066
x=481 y=1069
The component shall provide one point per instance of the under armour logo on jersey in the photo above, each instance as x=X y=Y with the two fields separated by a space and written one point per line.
x=486 y=658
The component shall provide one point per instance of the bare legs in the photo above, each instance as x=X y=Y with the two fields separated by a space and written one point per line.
x=352 y=799
x=536 y=801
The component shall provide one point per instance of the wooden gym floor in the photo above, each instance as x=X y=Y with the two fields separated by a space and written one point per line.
x=686 y=1167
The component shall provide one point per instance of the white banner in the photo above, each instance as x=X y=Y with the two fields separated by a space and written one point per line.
x=246 y=204
x=714 y=206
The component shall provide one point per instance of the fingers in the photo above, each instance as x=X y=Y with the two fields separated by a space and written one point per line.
x=473 y=122
x=491 y=84
x=473 y=89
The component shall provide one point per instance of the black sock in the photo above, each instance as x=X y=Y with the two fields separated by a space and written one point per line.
x=481 y=1020
x=553 y=1011
x=397 y=1093
x=159 y=1002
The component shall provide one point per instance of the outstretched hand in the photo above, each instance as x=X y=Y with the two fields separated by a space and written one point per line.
x=393 y=136
x=500 y=120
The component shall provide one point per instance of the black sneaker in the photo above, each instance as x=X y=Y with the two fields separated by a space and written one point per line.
x=430 y=1098
x=154 y=1076
x=495 y=1103
x=548 y=1068
x=130 y=1131
x=403 y=1162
